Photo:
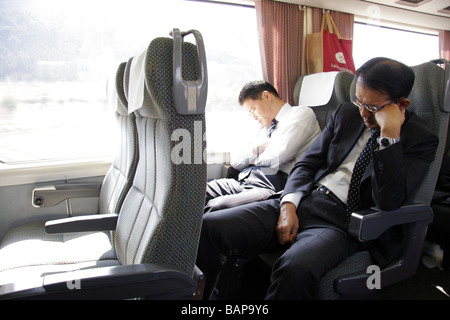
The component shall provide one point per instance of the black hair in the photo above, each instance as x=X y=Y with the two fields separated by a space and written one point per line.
x=388 y=76
x=254 y=89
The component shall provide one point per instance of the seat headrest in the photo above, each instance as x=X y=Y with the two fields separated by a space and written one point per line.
x=115 y=91
x=126 y=78
x=120 y=87
x=428 y=91
x=317 y=89
x=445 y=65
x=172 y=68
x=136 y=82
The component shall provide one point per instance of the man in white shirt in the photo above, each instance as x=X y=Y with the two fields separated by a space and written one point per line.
x=285 y=134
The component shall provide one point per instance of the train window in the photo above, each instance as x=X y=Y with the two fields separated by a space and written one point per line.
x=409 y=47
x=231 y=40
x=56 y=56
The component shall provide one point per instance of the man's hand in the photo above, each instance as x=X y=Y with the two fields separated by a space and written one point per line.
x=287 y=227
x=257 y=150
x=390 y=120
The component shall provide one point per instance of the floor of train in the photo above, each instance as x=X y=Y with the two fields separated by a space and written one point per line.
x=426 y=284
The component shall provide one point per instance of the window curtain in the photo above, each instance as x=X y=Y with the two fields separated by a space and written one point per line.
x=282 y=35
x=444 y=44
x=280 y=28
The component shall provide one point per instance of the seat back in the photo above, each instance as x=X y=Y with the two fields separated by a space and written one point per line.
x=323 y=92
x=160 y=219
x=120 y=175
x=430 y=100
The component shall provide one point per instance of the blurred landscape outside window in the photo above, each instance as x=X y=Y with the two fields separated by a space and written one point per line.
x=56 y=57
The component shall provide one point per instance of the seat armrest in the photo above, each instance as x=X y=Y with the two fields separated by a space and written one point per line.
x=369 y=224
x=200 y=280
x=95 y=222
x=151 y=280
x=52 y=195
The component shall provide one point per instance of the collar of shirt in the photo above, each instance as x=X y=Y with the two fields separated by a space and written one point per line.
x=284 y=111
x=281 y=115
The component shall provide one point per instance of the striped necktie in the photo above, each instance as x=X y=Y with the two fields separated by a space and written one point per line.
x=272 y=127
x=353 y=203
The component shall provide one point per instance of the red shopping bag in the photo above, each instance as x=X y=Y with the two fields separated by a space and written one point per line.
x=337 y=52
x=326 y=51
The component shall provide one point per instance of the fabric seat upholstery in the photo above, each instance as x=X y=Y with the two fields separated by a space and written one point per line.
x=119 y=177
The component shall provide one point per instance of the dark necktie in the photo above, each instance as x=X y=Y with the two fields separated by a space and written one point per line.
x=272 y=127
x=353 y=203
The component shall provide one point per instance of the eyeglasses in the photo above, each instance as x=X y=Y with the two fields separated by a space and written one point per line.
x=371 y=107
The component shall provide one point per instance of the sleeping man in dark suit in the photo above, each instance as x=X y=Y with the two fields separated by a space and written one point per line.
x=311 y=216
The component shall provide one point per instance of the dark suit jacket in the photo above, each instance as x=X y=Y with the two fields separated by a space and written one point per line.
x=393 y=172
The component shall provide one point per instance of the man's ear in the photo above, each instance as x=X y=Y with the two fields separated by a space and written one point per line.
x=266 y=95
x=403 y=103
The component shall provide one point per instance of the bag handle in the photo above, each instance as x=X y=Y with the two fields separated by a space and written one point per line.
x=331 y=25
x=323 y=22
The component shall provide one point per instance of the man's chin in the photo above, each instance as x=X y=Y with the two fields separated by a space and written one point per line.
x=371 y=125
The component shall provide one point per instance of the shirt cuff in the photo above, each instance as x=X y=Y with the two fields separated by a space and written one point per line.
x=292 y=197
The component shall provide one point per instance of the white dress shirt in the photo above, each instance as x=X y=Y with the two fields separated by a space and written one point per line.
x=337 y=182
x=296 y=129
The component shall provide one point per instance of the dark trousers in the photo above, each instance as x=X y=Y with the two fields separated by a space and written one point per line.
x=249 y=230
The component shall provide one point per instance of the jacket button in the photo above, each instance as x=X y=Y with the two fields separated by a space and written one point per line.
x=381 y=167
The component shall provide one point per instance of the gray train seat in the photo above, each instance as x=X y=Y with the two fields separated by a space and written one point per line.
x=439 y=231
x=323 y=92
x=154 y=236
x=54 y=249
x=119 y=178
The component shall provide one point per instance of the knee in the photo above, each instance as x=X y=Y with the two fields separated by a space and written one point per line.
x=299 y=270
x=208 y=225
x=214 y=230
x=293 y=279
